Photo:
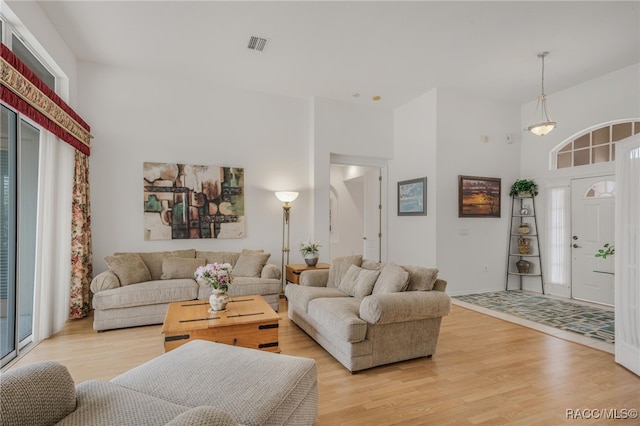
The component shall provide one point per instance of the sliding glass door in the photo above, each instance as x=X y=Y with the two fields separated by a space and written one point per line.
x=19 y=157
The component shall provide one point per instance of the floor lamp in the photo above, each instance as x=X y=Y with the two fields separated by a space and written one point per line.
x=286 y=197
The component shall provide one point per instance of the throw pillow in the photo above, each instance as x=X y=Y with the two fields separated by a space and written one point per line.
x=250 y=264
x=180 y=267
x=130 y=268
x=370 y=264
x=230 y=257
x=339 y=267
x=420 y=278
x=153 y=259
x=392 y=279
x=358 y=282
x=250 y=251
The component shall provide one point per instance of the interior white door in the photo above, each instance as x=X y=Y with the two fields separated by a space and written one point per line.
x=372 y=215
x=592 y=226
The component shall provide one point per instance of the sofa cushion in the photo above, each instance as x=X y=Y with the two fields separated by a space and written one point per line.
x=230 y=257
x=255 y=387
x=339 y=267
x=203 y=416
x=339 y=318
x=180 y=267
x=36 y=394
x=250 y=264
x=242 y=286
x=153 y=259
x=300 y=296
x=147 y=293
x=392 y=278
x=420 y=278
x=109 y=404
x=358 y=282
x=129 y=268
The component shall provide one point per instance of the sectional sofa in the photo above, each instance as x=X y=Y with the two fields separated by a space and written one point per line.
x=138 y=287
x=199 y=383
x=367 y=314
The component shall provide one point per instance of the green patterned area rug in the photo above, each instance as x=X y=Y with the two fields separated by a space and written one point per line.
x=586 y=320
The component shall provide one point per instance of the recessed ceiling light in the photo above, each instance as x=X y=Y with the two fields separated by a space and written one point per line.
x=355 y=95
x=376 y=98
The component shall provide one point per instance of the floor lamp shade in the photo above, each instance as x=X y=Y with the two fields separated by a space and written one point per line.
x=286 y=196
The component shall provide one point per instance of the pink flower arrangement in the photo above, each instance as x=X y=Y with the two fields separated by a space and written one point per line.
x=216 y=275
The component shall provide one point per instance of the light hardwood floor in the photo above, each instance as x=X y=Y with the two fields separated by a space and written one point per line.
x=485 y=371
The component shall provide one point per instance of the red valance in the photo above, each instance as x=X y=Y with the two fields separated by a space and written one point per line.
x=24 y=91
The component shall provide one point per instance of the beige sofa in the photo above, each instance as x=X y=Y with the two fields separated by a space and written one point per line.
x=199 y=383
x=367 y=314
x=138 y=287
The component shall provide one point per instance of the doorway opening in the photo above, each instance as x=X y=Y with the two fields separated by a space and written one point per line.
x=356 y=207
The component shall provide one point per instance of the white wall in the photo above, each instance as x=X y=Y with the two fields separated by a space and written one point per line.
x=439 y=135
x=412 y=239
x=611 y=97
x=138 y=117
x=465 y=246
x=42 y=33
x=346 y=129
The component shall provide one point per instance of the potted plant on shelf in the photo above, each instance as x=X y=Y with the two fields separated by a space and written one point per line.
x=310 y=252
x=524 y=188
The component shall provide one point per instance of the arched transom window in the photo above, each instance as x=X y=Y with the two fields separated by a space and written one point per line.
x=595 y=145
x=604 y=188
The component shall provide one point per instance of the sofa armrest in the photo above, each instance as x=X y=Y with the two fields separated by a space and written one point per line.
x=404 y=306
x=314 y=278
x=37 y=394
x=440 y=285
x=270 y=271
x=104 y=281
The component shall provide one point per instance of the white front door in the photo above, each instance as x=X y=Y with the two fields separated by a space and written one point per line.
x=592 y=226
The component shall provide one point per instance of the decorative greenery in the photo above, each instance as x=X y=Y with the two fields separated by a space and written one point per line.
x=526 y=186
x=309 y=248
x=607 y=250
x=217 y=276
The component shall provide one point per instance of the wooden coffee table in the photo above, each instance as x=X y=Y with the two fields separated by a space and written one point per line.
x=249 y=322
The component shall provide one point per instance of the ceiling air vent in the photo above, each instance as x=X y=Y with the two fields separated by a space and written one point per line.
x=257 y=43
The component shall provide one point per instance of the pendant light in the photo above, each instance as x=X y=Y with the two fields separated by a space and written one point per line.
x=540 y=123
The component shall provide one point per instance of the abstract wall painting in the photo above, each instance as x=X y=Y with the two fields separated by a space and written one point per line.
x=184 y=201
x=478 y=196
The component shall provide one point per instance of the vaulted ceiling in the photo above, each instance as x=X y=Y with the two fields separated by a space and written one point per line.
x=395 y=50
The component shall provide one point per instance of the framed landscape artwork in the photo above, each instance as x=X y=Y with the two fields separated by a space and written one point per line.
x=478 y=196
x=412 y=197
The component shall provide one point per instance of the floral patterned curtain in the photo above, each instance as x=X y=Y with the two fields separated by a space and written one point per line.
x=21 y=89
x=81 y=255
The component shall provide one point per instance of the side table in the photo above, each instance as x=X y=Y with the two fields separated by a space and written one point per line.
x=295 y=269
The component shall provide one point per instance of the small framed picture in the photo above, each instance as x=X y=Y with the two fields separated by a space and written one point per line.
x=479 y=196
x=412 y=197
